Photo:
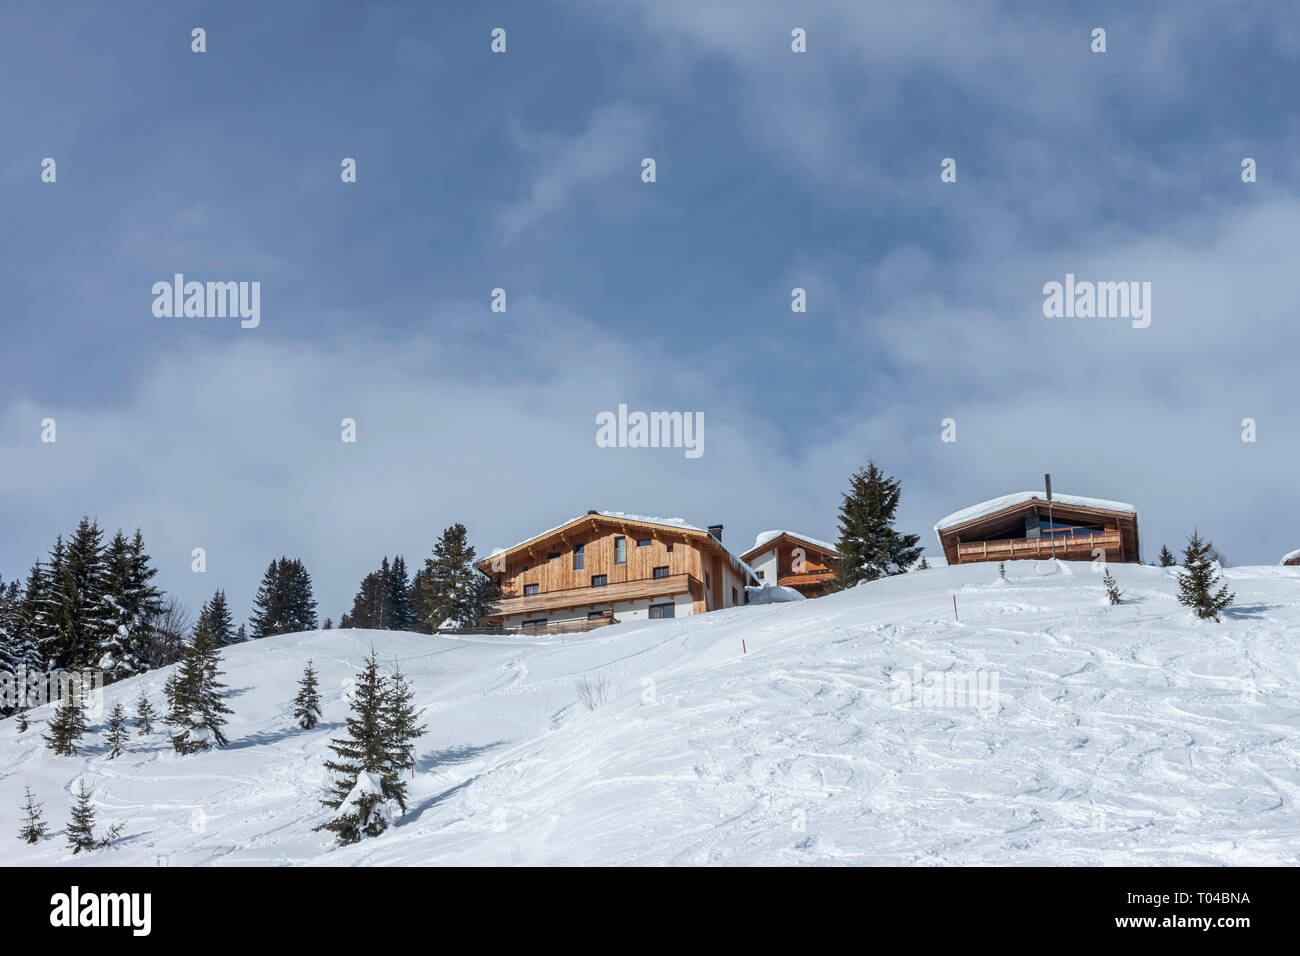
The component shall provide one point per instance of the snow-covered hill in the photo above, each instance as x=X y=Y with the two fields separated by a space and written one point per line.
x=1117 y=735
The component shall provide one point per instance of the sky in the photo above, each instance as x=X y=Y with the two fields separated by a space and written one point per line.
x=522 y=170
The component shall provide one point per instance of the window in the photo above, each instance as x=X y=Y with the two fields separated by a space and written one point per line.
x=552 y=555
x=599 y=580
x=670 y=549
x=530 y=589
x=735 y=598
x=539 y=622
x=706 y=580
x=597 y=615
x=658 y=611
x=643 y=542
x=579 y=557
x=661 y=572
x=760 y=574
x=620 y=550
x=527 y=566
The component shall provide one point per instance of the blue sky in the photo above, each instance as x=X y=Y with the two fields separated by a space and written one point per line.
x=522 y=171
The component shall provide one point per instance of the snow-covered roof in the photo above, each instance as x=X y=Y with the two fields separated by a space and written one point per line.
x=1290 y=556
x=766 y=536
x=677 y=523
x=994 y=505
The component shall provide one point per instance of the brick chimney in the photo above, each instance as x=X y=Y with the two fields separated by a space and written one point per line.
x=716 y=531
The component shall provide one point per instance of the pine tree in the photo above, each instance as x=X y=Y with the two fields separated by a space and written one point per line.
x=362 y=765
x=215 y=615
x=196 y=714
x=306 y=706
x=401 y=732
x=82 y=607
x=33 y=829
x=241 y=636
x=69 y=723
x=81 y=828
x=924 y=565
x=1197 y=579
x=869 y=547
x=144 y=715
x=327 y=624
x=1166 y=559
x=26 y=620
x=117 y=733
x=419 y=599
x=399 y=615
x=451 y=593
x=171 y=711
x=1113 y=593
x=284 y=603
x=1002 y=570
x=368 y=605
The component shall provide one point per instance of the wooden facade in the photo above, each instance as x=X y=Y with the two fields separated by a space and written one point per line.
x=602 y=562
x=793 y=561
x=1020 y=531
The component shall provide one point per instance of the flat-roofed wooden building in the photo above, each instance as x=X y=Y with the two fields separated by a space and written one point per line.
x=608 y=564
x=792 y=560
x=1021 y=526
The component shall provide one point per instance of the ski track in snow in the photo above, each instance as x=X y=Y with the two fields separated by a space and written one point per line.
x=1120 y=735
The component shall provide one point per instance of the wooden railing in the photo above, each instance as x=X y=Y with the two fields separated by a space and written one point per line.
x=604 y=594
x=1006 y=549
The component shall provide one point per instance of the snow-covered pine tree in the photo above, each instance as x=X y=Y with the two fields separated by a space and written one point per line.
x=362 y=764
x=145 y=715
x=484 y=594
x=397 y=600
x=327 y=624
x=9 y=652
x=81 y=828
x=171 y=703
x=368 y=605
x=268 y=604
x=1166 y=559
x=85 y=619
x=196 y=717
x=1113 y=593
x=216 y=616
x=33 y=829
x=48 y=625
x=1197 y=580
x=869 y=547
x=26 y=620
x=306 y=706
x=301 y=605
x=117 y=734
x=450 y=591
x=69 y=723
x=133 y=605
x=241 y=635
x=924 y=565
x=401 y=731
x=1002 y=570
x=419 y=603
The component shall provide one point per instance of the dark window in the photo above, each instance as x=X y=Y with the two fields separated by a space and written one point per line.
x=539 y=622
x=643 y=542
x=760 y=574
x=526 y=567
x=662 y=610
x=620 y=550
x=596 y=615
x=552 y=555
x=670 y=549
x=661 y=572
x=706 y=580
x=599 y=580
x=530 y=589
x=579 y=557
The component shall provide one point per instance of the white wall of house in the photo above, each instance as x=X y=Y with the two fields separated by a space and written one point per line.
x=638 y=610
x=766 y=562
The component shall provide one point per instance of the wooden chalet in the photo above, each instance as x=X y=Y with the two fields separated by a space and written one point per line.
x=1020 y=527
x=607 y=566
x=1291 y=560
x=792 y=561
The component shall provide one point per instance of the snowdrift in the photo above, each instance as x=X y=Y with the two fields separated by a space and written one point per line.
x=1041 y=726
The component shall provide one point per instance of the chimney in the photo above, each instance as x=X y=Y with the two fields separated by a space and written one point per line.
x=716 y=531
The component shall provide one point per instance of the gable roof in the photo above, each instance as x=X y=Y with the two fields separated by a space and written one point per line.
x=623 y=517
x=767 y=538
x=994 y=505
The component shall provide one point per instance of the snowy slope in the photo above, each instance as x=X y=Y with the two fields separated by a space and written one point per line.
x=1119 y=735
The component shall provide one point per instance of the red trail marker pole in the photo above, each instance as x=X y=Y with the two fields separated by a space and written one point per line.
x=742 y=646
x=954 y=608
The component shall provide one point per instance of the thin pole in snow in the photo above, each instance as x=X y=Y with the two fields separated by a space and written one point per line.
x=743 y=650
x=954 y=608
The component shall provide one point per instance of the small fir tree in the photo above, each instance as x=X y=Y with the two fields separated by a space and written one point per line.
x=362 y=764
x=1113 y=593
x=33 y=829
x=869 y=547
x=117 y=734
x=69 y=723
x=145 y=715
x=401 y=731
x=1166 y=559
x=1197 y=580
x=81 y=828
x=306 y=706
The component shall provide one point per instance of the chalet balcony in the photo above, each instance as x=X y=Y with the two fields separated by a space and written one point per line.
x=807 y=579
x=606 y=594
x=1076 y=545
